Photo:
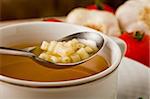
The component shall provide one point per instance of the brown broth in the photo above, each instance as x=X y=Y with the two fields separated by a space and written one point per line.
x=26 y=69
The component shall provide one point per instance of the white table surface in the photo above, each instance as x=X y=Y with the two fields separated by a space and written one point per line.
x=133 y=80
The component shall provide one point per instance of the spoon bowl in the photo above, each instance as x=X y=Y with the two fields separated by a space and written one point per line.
x=29 y=52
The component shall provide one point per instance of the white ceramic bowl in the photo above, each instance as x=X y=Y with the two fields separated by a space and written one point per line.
x=99 y=86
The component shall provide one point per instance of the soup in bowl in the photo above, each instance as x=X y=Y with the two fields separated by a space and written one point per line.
x=99 y=74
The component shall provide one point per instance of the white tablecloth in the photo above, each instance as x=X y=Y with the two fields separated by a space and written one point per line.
x=133 y=80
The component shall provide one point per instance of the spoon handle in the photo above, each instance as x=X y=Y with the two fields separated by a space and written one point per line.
x=15 y=52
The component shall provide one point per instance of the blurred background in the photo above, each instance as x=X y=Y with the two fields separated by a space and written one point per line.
x=23 y=9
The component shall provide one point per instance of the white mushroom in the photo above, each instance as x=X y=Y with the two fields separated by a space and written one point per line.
x=134 y=15
x=102 y=21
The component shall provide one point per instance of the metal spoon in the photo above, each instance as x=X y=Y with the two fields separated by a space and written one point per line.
x=29 y=52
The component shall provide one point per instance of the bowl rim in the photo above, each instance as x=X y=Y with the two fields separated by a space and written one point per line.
x=69 y=83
